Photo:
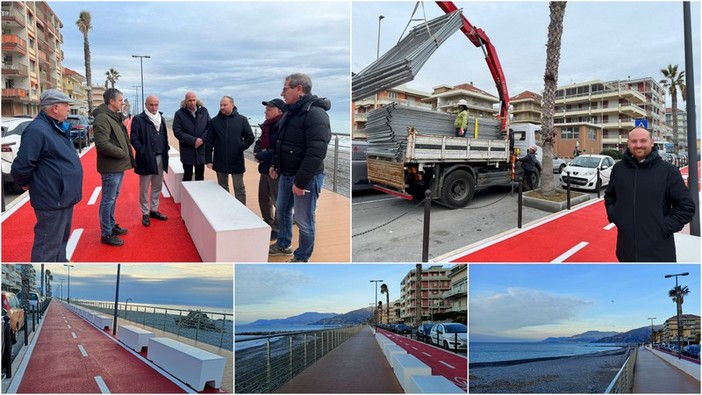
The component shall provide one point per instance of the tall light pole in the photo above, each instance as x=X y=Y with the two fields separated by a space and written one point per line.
x=141 y=63
x=136 y=101
x=61 y=287
x=69 y=282
x=677 y=295
x=114 y=323
x=651 y=318
x=376 y=297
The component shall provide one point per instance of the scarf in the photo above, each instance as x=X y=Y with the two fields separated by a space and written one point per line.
x=155 y=119
x=266 y=131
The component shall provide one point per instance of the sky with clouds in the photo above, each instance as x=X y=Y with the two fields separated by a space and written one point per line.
x=538 y=301
x=601 y=41
x=241 y=49
x=281 y=291
x=208 y=285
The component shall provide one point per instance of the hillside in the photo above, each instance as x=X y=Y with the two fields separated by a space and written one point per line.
x=359 y=316
x=302 y=319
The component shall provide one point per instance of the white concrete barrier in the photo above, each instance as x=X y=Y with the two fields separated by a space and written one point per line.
x=390 y=350
x=174 y=177
x=222 y=229
x=406 y=366
x=133 y=337
x=102 y=321
x=173 y=152
x=432 y=385
x=189 y=364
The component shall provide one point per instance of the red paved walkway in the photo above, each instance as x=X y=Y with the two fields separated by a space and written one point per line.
x=73 y=356
x=442 y=363
x=653 y=375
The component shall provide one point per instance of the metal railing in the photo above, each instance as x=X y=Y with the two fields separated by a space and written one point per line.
x=204 y=326
x=280 y=357
x=623 y=382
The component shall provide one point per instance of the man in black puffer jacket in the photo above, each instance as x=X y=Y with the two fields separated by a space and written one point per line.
x=303 y=138
x=648 y=202
x=229 y=135
x=190 y=128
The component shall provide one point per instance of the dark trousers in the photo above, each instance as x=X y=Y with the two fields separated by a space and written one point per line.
x=51 y=234
x=188 y=172
x=528 y=176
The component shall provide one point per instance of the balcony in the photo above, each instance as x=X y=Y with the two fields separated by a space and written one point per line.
x=13 y=43
x=11 y=69
x=14 y=93
x=12 y=17
x=456 y=292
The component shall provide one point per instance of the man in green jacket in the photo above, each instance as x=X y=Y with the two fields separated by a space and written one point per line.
x=114 y=156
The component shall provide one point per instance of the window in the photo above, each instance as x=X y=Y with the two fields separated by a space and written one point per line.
x=392 y=95
x=591 y=134
x=570 y=133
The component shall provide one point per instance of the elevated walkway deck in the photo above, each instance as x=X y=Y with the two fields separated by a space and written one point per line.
x=652 y=375
x=356 y=366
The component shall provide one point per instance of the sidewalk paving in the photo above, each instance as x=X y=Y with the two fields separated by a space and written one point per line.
x=652 y=375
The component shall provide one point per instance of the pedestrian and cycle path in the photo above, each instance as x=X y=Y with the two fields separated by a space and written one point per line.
x=653 y=375
x=357 y=365
x=442 y=363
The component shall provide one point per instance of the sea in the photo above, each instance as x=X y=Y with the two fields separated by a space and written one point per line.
x=220 y=310
x=246 y=328
x=499 y=352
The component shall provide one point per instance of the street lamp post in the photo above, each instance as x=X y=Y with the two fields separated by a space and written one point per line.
x=136 y=100
x=61 y=288
x=141 y=63
x=677 y=295
x=69 y=282
x=651 y=318
x=376 y=297
x=114 y=324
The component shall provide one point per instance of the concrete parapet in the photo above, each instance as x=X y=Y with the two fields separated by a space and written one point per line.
x=688 y=367
x=406 y=366
x=432 y=385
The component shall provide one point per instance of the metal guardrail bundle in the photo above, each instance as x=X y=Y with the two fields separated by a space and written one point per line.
x=387 y=128
x=402 y=62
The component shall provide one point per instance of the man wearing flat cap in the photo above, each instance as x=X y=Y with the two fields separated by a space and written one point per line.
x=48 y=166
x=264 y=150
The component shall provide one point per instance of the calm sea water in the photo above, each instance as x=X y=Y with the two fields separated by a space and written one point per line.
x=496 y=352
x=223 y=310
x=238 y=328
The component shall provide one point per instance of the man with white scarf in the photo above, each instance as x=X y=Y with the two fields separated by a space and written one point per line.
x=150 y=141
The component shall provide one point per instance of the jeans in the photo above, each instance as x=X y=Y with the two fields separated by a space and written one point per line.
x=237 y=181
x=267 y=196
x=111 y=184
x=305 y=207
x=188 y=172
x=156 y=183
x=51 y=234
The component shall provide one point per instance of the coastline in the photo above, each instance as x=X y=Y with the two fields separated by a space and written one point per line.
x=587 y=373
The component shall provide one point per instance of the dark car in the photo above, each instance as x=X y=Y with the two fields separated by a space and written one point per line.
x=359 y=169
x=81 y=130
x=402 y=329
x=423 y=333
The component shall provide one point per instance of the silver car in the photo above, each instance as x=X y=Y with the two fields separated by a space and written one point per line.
x=12 y=129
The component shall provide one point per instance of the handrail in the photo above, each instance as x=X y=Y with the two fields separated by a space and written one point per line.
x=623 y=381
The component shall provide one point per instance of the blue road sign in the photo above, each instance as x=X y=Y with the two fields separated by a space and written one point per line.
x=643 y=123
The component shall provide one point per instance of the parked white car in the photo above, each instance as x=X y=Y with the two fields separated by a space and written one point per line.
x=451 y=336
x=12 y=129
x=583 y=172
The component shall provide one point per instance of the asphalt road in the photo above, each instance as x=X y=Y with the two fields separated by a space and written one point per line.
x=491 y=212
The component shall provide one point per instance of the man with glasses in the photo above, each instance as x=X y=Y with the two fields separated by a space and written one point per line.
x=303 y=137
x=48 y=166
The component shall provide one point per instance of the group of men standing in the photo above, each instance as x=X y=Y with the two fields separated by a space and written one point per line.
x=290 y=152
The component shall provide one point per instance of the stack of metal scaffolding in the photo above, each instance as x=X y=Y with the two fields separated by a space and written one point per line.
x=402 y=62
x=387 y=128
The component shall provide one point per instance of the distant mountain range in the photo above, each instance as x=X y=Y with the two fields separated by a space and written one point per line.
x=359 y=316
x=586 y=337
x=302 y=319
x=637 y=335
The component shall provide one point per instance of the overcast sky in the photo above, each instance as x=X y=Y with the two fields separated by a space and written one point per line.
x=538 y=301
x=241 y=49
x=601 y=40
x=207 y=285
x=281 y=291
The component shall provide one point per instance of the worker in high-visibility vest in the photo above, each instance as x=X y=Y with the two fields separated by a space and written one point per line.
x=461 y=122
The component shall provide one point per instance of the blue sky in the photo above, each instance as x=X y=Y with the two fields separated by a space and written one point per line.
x=207 y=285
x=241 y=49
x=280 y=291
x=601 y=40
x=538 y=301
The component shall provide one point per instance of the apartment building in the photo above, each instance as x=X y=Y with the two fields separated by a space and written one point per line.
x=12 y=277
x=32 y=56
x=682 y=127
x=435 y=283
x=526 y=108
x=75 y=87
x=401 y=95
x=690 y=329
x=457 y=296
x=480 y=103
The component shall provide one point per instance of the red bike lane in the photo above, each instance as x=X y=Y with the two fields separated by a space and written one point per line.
x=442 y=363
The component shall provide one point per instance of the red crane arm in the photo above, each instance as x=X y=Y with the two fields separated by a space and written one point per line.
x=480 y=39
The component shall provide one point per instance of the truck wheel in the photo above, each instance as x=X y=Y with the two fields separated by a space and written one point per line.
x=458 y=189
x=535 y=180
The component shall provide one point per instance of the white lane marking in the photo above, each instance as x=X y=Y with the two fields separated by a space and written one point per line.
x=74 y=335
x=414 y=348
x=570 y=252
x=68 y=326
x=165 y=193
x=94 y=196
x=610 y=226
x=102 y=385
x=426 y=353
x=374 y=201
x=447 y=365
x=82 y=350
x=73 y=242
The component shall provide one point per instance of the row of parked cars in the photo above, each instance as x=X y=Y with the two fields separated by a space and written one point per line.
x=451 y=336
x=691 y=350
x=678 y=160
x=12 y=308
x=12 y=129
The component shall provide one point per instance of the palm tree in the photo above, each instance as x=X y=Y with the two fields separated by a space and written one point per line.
x=379 y=316
x=112 y=76
x=384 y=290
x=49 y=278
x=553 y=56
x=674 y=81
x=678 y=294
x=84 y=25
x=418 y=294
x=25 y=275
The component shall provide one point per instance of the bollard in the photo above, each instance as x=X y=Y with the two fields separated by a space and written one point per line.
x=598 y=183
x=34 y=319
x=7 y=342
x=568 y=189
x=26 y=332
x=427 y=218
x=520 y=205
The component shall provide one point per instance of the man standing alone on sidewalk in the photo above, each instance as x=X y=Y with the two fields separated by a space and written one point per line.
x=264 y=150
x=47 y=165
x=150 y=141
x=304 y=135
x=190 y=128
x=648 y=202
x=114 y=156
x=229 y=135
